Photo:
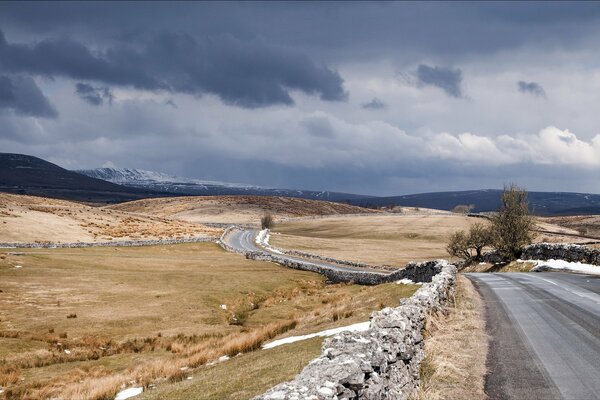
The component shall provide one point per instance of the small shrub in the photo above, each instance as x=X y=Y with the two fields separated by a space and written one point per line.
x=63 y=335
x=71 y=316
x=51 y=330
x=266 y=222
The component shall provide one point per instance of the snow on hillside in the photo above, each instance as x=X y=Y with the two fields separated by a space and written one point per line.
x=162 y=182
x=130 y=176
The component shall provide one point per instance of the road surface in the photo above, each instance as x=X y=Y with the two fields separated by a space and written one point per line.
x=545 y=335
x=245 y=240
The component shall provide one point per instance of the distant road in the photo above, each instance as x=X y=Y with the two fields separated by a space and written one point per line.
x=545 y=335
x=245 y=240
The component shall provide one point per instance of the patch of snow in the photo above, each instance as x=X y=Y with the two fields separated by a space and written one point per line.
x=561 y=265
x=223 y=306
x=262 y=239
x=127 y=393
x=67 y=351
x=359 y=327
x=407 y=281
x=18 y=266
x=223 y=358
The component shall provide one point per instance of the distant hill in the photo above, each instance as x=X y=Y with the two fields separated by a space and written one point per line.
x=540 y=203
x=158 y=181
x=23 y=174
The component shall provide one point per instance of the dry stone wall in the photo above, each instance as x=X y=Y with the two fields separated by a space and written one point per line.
x=416 y=272
x=566 y=252
x=122 y=243
x=552 y=251
x=381 y=363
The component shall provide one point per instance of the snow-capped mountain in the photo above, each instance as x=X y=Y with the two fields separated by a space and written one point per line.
x=162 y=182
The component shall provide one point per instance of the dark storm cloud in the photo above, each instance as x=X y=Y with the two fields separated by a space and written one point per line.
x=374 y=104
x=532 y=88
x=447 y=79
x=96 y=96
x=23 y=96
x=337 y=29
x=244 y=73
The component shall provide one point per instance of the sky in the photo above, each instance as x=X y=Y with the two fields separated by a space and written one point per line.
x=369 y=98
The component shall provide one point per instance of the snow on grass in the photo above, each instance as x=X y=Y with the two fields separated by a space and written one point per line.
x=127 y=393
x=18 y=266
x=406 y=281
x=359 y=327
x=561 y=265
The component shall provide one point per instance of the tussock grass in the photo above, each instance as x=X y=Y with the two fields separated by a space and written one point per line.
x=456 y=348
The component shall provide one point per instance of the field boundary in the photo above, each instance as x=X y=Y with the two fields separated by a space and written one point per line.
x=380 y=363
x=121 y=243
x=416 y=272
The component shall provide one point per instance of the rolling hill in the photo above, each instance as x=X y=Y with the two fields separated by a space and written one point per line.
x=23 y=174
x=540 y=203
x=158 y=181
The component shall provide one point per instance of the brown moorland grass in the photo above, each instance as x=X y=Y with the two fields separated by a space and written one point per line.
x=152 y=314
x=236 y=209
x=456 y=348
x=244 y=376
x=37 y=219
x=392 y=239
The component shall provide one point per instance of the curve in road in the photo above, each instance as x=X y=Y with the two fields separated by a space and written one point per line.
x=545 y=335
x=244 y=240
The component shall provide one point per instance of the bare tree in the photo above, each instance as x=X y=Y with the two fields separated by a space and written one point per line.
x=469 y=245
x=512 y=224
x=266 y=222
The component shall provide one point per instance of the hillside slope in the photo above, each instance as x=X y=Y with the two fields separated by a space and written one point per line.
x=38 y=219
x=158 y=181
x=540 y=203
x=24 y=174
x=236 y=209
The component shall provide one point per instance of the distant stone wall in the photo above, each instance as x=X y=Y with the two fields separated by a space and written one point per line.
x=123 y=243
x=566 y=252
x=381 y=363
x=313 y=256
x=416 y=272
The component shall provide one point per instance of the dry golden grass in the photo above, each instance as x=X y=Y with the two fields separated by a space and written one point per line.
x=242 y=377
x=235 y=209
x=37 y=219
x=153 y=314
x=392 y=239
x=456 y=349
x=584 y=225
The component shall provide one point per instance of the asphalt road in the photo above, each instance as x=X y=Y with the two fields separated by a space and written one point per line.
x=545 y=335
x=245 y=240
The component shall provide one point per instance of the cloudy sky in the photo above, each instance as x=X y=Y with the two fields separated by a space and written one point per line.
x=372 y=98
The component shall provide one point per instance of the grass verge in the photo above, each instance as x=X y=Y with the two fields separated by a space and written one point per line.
x=456 y=348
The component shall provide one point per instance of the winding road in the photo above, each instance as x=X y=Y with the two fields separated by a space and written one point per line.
x=244 y=240
x=545 y=335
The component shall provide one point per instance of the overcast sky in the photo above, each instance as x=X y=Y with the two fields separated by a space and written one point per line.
x=370 y=98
